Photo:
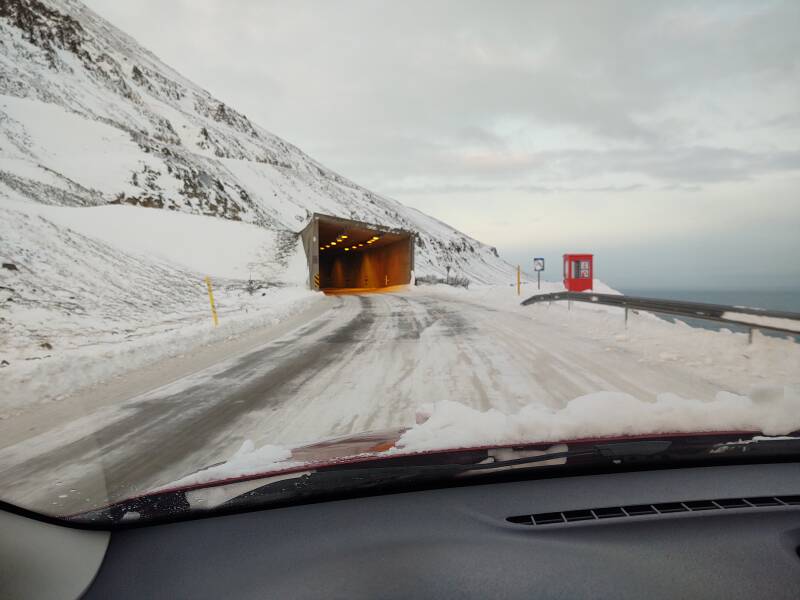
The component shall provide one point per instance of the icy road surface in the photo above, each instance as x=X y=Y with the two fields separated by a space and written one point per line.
x=366 y=363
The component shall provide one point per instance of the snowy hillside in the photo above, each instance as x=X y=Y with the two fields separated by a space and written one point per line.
x=82 y=286
x=88 y=117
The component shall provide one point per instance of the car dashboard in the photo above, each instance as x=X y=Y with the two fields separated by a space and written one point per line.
x=702 y=532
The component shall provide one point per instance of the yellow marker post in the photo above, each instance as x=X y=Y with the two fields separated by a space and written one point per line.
x=211 y=300
x=519 y=282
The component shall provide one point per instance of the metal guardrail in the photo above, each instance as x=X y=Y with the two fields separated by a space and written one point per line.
x=754 y=318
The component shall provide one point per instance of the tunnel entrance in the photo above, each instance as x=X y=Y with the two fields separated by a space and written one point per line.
x=347 y=254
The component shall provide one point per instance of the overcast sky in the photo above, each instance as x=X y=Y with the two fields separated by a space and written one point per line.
x=662 y=136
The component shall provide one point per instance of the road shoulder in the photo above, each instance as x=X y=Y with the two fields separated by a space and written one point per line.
x=42 y=417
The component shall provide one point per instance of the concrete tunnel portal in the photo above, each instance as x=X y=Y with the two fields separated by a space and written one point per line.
x=346 y=254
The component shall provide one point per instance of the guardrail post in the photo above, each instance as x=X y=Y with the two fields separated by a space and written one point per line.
x=626 y=317
x=569 y=304
x=750 y=336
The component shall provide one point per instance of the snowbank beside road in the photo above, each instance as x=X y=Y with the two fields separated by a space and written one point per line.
x=505 y=296
x=61 y=371
x=763 y=321
x=728 y=359
x=89 y=293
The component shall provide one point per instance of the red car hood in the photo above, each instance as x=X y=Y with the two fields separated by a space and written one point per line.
x=378 y=446
x=372 y=445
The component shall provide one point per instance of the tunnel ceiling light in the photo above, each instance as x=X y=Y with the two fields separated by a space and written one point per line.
x=333 y=243
x=343 y=236
x=347 y=249
x=360 y=245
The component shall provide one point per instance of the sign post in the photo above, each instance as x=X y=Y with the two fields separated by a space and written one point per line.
x=518 y=280
x=538 y=266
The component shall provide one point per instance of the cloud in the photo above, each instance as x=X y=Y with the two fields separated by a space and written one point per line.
x=678 y=169
x=445 y=104
x=788 y=120
x=449 y=71
x=698 y=164
x=483 y=188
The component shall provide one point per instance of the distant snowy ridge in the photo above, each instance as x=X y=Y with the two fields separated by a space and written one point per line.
x=89 y=117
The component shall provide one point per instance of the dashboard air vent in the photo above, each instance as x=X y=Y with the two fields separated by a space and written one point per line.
x=635 y=510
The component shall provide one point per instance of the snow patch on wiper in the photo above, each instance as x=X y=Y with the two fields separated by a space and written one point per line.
x=247 y=460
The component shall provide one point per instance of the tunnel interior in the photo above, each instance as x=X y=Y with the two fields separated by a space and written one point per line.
x=355 y=255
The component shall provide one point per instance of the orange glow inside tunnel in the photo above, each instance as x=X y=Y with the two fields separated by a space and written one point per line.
x=372 y=267
x=351 y=255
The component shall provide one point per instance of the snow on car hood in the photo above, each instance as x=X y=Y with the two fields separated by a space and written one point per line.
x=770 y=410
x=449 y=425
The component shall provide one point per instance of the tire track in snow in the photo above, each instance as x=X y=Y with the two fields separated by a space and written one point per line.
x=184 y=425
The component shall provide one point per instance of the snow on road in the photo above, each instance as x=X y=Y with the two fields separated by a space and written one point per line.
x=370 y=362
x=428 y=345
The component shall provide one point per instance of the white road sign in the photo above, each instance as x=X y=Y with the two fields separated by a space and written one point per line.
x=538 y=264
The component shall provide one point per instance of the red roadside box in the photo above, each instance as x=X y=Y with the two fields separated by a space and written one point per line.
x=578 y=272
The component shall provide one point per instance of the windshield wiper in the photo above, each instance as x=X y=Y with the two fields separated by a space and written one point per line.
x=406 y=472
x=613 y=451
x=373 y=474
x=758 y=444
x=377 y=474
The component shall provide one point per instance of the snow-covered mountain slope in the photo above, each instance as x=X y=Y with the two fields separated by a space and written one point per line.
x=89 y=117
x=85 y=296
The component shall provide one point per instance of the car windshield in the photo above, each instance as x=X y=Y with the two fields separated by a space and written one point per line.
x=250 y=240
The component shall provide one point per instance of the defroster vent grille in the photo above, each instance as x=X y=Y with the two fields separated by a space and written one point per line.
x=636 y=510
